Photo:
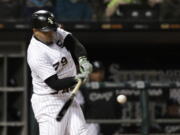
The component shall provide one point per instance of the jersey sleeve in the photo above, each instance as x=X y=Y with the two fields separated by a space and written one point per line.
x=41 y=66
x=75 y=47
x=62 y=34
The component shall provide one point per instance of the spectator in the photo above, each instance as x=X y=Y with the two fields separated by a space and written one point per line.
x=172 y=112
x=98 y=7
x=100 y=108
x=96 y=76
x=113 y=6
x=34 y=5
x=170 y=10
x=10 y=9
x=154 y=2
x=73 y=10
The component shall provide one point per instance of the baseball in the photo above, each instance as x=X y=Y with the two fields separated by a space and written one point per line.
x=121 y=99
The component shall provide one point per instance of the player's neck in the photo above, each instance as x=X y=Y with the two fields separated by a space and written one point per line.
x=46 y=43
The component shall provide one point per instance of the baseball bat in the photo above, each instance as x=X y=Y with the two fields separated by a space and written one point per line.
x=68 y=103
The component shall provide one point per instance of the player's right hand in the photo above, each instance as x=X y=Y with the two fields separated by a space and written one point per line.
x=83 y=76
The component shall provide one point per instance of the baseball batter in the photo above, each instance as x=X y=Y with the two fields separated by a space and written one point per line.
x=51 y=57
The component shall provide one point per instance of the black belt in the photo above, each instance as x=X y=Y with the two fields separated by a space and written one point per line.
x=62 y=91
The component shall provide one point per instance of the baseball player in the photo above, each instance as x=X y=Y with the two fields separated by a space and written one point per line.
x=51 y=57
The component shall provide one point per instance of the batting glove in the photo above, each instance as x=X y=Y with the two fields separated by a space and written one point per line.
x=85 y=65
x=83 y=76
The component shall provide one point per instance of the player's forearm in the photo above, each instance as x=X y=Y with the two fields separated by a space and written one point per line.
x=74 y=46
x=59 y=84
x=79 y=52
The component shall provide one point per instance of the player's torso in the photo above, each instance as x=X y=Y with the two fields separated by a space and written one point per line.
x=61 y=60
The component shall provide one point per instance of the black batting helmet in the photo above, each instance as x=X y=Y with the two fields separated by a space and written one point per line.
x=44 y=20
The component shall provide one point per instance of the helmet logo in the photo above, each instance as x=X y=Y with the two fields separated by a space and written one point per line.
x=50 y=20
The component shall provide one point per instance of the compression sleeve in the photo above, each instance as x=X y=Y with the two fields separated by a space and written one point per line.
x=59 y=84
x=74 y=46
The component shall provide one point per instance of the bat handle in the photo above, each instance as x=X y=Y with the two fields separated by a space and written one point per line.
x=69 y=101
x=58 y=118
x=79 y=83
x=77 y=86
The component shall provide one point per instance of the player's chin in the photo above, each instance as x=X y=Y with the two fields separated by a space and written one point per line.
x=49 y=39
x=49 y=42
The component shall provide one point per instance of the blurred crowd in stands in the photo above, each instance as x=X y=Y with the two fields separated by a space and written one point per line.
x=92 y=10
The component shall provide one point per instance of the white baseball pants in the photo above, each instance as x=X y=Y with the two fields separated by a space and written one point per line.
x=46 y=108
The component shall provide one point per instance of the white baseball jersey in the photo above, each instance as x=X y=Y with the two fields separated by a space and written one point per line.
x=45 y=61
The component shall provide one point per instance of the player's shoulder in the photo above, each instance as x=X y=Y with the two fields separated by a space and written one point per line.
x=62 y=33
x=35 y=49
x=35 y=44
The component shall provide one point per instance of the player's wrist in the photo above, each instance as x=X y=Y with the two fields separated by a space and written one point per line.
x=82 y=76
x=81 y=59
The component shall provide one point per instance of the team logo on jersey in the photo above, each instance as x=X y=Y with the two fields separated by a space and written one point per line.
x=50 y=20
x=59 y=43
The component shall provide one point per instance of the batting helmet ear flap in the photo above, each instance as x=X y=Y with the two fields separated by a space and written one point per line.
x=44 y=20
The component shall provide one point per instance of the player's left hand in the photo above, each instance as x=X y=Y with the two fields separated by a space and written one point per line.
x=85 y=65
